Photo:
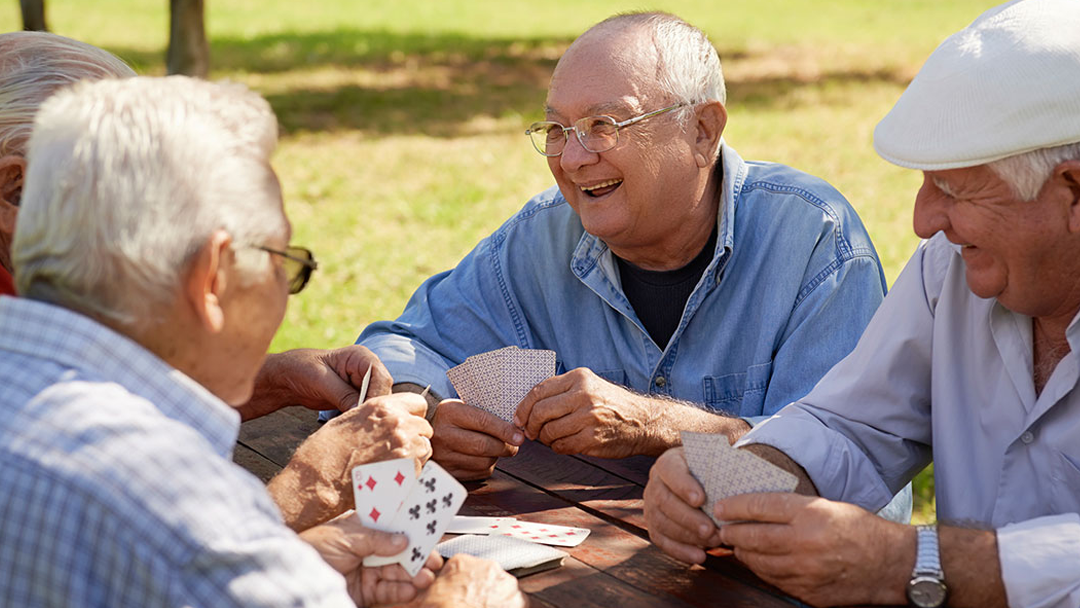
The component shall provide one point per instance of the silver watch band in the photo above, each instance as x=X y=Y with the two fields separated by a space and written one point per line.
x=927 y=556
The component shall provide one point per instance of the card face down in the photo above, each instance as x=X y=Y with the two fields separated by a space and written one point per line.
x=424 y=515
x=379 y=489
x=725 y=471
x=516 y=556
x=496 y=381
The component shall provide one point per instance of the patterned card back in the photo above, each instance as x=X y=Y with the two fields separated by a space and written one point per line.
x=725 y=471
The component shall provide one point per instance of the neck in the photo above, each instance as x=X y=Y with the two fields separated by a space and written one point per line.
x=1049 y=346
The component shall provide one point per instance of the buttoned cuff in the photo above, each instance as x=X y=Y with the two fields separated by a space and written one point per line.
x=1040 y=561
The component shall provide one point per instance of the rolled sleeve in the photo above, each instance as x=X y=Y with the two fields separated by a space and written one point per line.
x=410 y=361
x=1040 y=561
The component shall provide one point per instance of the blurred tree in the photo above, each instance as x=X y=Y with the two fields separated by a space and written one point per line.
x=189 y=52
x=33 y=15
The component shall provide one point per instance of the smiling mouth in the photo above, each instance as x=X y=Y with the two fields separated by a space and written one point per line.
x=602 y=188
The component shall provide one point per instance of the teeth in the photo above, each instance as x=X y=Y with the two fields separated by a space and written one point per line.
x=610 y=182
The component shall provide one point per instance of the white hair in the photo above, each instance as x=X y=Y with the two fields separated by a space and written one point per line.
x=33 y=66
x=1027 y=172
x=128 y=179
x=688 y=67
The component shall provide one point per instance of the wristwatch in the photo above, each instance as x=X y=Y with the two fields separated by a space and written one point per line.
x=927 y=589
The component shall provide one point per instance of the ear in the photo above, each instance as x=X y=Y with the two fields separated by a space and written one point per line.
x=204 y=281
x=12 y=175
x=1068 y=175
x=711 y=120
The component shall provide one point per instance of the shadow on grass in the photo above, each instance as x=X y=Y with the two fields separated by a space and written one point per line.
x=440 y=85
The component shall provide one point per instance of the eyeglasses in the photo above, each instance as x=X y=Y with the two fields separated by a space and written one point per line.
x=595 y=133
x=299 y=264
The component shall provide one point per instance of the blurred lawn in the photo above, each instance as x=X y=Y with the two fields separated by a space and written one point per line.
x=402 y=121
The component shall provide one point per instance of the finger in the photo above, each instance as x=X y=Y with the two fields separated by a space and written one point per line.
x=410 y=402
x=375 y=542
x=351 y=363
x=767 y=539
x=766 y=507
x=772 y=567
x=547 y=388
x=434 y=563
x=549 y=409
x=684 y=552
x=465 y=467
x=458 y=413
x=580 y=442
x=672 y=470
x=678 y=520
x=472 y=443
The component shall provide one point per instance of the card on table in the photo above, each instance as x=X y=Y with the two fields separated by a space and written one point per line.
x=544 y=534
x=379 y=488
x=725 y=471
x=471 y=524
x=514 y=555
x=427 y=510
x=497 y=381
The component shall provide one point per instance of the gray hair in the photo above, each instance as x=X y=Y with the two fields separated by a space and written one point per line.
x=33 y=66
x=128 y=179
x=1027 y=172
x=688 y=67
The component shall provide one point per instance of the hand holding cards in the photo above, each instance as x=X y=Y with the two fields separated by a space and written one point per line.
x=389 y=497
x=497 y=381
x=724 y=471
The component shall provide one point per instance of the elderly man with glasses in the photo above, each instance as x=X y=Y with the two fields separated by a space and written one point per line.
x=154 y=269
x=681 y=287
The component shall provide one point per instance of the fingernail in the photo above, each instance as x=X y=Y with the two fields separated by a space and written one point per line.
x=694 y=496
x=718 y=511
x=703 y=530
x=517 y=439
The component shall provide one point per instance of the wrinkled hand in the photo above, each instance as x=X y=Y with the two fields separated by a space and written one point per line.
x=316 y=379
x=580 y=413
x=469 y=441
x=673 y=514
x=344 y=543
x=823 y=552
x=470 y=581
x=316 y=484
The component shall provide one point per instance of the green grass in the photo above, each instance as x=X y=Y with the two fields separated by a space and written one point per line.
x=402 y=121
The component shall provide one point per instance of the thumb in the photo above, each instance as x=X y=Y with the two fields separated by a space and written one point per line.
x=362 y=541
x=337 y=391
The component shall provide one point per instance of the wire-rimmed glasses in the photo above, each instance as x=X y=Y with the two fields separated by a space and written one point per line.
x=299 y=263
x=595 y=133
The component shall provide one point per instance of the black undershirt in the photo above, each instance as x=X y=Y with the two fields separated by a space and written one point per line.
x=659 y=297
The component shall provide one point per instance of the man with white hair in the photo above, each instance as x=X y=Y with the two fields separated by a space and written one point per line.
x=154 y=264
x=681 y=287
x=971 y=361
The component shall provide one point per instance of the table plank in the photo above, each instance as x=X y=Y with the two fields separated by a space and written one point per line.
x=277 y=435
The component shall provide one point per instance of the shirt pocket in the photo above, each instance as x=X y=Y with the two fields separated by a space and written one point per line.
x=740 y=393
x=1066 y=489
x=614 y=376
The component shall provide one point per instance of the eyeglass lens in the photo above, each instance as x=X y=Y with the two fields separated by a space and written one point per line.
x=298 y=272
x=595 y=133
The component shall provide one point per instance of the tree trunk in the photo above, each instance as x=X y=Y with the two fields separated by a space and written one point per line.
x=33 y=15
x=189 y=52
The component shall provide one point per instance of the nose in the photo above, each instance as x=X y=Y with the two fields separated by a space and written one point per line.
x=574 y=155
x=931 y=209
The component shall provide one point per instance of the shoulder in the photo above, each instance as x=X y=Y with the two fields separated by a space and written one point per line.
x=773 y=188
x=545 y=226
x=116 y=454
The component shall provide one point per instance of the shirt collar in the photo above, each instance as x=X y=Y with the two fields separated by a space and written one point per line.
x=78 y=342
x=592 y=251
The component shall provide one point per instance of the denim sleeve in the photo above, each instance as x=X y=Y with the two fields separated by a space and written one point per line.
x=454 y=314
x=824 y=327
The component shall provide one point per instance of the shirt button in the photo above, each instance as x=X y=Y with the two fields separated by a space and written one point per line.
x=660 y=381
x=1027 y=437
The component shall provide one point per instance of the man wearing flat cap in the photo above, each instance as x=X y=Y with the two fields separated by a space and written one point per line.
x=970 y=362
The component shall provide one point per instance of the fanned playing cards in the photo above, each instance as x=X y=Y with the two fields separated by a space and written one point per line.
x=725 y=471
x=391 y=498
x=497 y=381
x=529 y=531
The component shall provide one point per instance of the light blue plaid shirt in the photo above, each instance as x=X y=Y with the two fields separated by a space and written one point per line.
x=116 y=484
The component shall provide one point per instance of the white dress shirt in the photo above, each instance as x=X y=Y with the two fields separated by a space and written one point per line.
x=944 y=375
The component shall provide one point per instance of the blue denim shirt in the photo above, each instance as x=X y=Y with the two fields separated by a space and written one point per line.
x=793 y=281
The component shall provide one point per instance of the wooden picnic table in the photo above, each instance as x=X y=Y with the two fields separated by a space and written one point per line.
x=615 y=566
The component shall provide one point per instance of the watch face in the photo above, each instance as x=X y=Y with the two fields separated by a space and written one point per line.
x=926 y=592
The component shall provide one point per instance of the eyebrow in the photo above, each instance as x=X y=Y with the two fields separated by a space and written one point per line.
x=607 y=107
x=943 y=186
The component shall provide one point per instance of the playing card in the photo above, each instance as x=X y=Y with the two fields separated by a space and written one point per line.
x=724 y=471
x=461 y=377
x=522 y=369
x=487 y=382
x=466 y=524
x=379 y=489
x=544 y=534
x=364 y=384
x=424 y=515
x=513 y=555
